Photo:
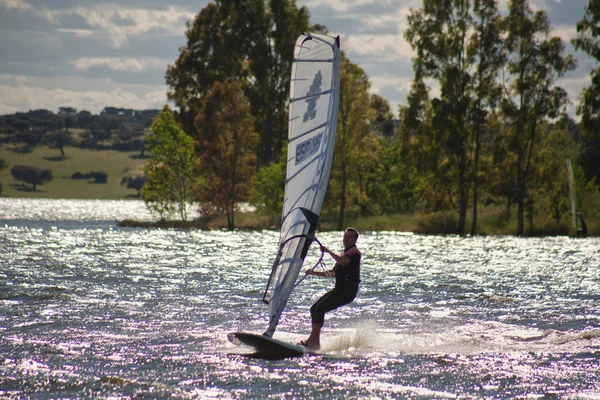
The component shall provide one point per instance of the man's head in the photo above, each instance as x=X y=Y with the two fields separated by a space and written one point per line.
x=350 y=237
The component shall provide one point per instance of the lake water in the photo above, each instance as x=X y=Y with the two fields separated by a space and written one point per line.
x=91 y=310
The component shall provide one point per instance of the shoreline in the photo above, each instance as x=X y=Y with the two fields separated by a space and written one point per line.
x=401 y=223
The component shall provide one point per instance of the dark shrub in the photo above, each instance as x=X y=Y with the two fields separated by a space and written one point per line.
x=99 y=176
x=79 y=175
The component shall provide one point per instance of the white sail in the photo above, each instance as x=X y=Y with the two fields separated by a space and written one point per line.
x=313 y=109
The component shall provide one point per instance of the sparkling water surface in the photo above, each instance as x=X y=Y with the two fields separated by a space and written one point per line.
x=91 y=310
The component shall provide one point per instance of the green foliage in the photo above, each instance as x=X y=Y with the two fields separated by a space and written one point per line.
x=159 y=191
x=170 y=171
x=439 y=222
x=227 y=145
x=588 y=197
x=347 y=179
x=3 y=164
x=396 y=185
x=553 y=188
x=268 y=189
x=381 y=120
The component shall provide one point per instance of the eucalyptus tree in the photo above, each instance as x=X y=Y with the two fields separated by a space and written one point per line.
x=226 y=148
x=248 y=41
x=535 y=63
x=439 y=34
x=485 y=53
x=588 y=41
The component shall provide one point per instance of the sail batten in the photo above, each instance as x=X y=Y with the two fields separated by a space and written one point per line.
x=308 y=165
x=300 y=135
x=315 y=61
x=310 y=96
x=313 y=108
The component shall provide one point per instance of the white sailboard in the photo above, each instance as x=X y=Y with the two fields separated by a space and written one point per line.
x=313 y=109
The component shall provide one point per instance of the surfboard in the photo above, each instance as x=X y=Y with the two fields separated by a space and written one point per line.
x=268 y=348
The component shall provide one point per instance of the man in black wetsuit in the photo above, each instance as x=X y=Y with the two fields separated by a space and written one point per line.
x=347 y=278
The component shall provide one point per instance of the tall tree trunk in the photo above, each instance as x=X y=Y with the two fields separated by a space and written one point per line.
x=530 y=215
x=267 y=143
x=520 y=194
x=463 y=195
x=475 y=180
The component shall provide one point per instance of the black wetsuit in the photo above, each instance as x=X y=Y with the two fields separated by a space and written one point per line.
x=347 y=278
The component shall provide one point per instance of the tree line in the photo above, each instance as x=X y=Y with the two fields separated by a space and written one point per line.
x=497 y=132
x=117 y=128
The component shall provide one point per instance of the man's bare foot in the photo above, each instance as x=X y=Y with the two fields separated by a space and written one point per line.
x=310 y=344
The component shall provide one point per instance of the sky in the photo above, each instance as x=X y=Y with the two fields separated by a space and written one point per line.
x=89 y=54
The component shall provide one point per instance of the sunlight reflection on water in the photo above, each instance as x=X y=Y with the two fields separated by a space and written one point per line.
x=99 y=311
x=16 y=209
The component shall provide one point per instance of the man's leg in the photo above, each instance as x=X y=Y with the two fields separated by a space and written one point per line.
x=314 y=340
x=317 y=315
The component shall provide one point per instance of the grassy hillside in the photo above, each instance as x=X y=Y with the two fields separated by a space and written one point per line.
x=115 y=163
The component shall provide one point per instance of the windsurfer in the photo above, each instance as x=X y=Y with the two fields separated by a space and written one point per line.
x=347 y=277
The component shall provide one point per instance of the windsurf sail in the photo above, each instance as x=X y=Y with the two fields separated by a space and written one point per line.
x=313 y=109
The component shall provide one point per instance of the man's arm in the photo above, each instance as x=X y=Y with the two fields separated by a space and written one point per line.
x=323 y=274
x=339 y=259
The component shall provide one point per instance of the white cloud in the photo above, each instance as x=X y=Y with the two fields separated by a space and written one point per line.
x=120 y=63
x=566 y=33
x=20 y=98
x=398 y=83
x=80 y=33
x=371 y=30
x=112 y=21
x=343 y=6
x=384 y=48
x=6 y=109
x=535 y=5
x=15 y=5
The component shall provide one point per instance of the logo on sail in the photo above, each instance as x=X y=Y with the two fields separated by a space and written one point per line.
x=307 y=148
x=311 y=103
